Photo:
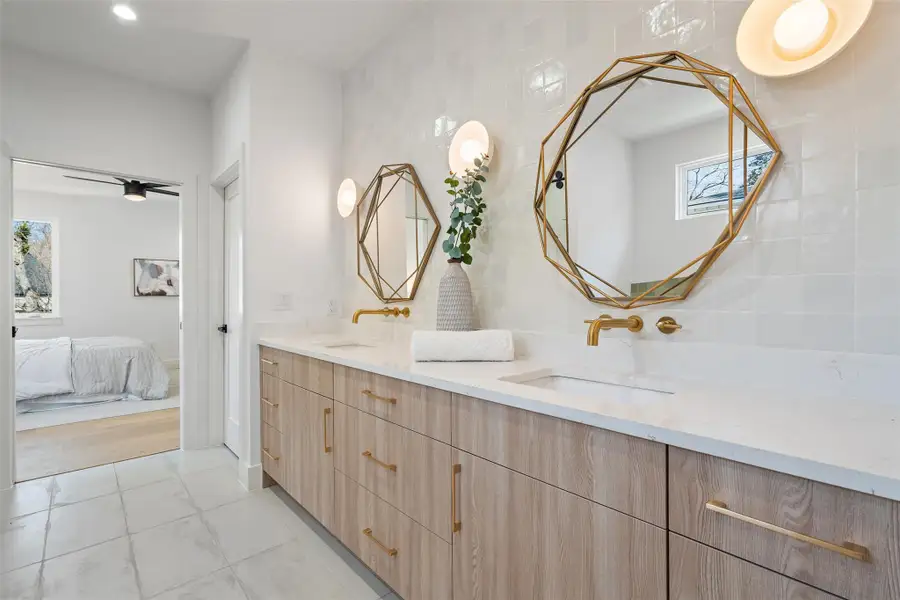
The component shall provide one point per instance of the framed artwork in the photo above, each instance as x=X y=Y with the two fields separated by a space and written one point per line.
x=156 y=277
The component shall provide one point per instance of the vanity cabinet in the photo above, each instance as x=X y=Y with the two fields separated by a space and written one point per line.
x=840 y=541
x=698 y=572
x=308 y=442
x=521 y=538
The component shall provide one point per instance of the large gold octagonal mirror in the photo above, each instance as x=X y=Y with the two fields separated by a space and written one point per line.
x=649 y=177
x=396 y=233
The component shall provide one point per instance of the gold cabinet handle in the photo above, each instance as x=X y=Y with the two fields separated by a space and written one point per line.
x=457 y=525
x=389 y=551
x=369 y=394
x=326 y=412
x=848 y=549
x=388 y=466
x=272 y=404
x=268 y=362
x=266 y=452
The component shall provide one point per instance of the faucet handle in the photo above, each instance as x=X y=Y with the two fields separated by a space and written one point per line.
x=667 y=325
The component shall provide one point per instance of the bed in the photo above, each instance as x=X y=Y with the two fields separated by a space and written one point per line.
x=62 y=372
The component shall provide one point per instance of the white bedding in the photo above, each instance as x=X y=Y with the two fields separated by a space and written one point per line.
x=81 y=370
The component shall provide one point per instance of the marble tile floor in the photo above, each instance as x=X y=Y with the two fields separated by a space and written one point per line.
x=173 y=526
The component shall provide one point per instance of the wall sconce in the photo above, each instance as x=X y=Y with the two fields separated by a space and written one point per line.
x=470 y=142
x=779 y=38
x=347 y=198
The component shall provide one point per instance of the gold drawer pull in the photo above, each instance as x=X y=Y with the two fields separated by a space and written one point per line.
x=266 y=452
x=388 y=466
x=272 y=404
x=389 y=551
x=268 y=362
x=848 y=549
x=457 y=525
x=327 y=412
x=369 y=394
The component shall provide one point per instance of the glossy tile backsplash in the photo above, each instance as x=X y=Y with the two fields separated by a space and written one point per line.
x=818 y=265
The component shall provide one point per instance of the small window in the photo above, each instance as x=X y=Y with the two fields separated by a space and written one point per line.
x=35 y=267
x=703 y=184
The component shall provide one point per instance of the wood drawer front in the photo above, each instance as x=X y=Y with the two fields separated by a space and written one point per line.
x=698 y=572
x=313 y=375
x=406 y=469
x=276 y=363
x=413 y=406
x=272 y=460
x=824 y=512
x=521 y=538
x=620 y=471
x=420 y=569
x=272 y=395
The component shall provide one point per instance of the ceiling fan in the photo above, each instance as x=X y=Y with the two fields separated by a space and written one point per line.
x=135 y=190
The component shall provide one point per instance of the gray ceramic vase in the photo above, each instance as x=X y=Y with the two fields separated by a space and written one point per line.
x=455 y=311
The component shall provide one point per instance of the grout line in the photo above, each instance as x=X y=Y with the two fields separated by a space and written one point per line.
x=131 y=556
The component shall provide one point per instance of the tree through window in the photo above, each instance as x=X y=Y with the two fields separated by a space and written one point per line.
x=705 y=183
x=33 y=268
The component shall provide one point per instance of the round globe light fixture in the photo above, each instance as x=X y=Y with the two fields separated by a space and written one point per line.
x=779 y=38
x=346 y=198
x=470 y=142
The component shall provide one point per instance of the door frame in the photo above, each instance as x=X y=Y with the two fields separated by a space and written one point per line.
x=236 y=170
x=195 y=400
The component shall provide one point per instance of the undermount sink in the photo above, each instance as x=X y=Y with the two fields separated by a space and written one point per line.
x=345 y=345
x=580 y=386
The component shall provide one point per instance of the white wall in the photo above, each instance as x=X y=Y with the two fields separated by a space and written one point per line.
x=63 y=113
x=98 y=238
x=816 y=266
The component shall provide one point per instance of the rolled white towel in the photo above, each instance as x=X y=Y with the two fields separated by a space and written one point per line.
x=462 y=346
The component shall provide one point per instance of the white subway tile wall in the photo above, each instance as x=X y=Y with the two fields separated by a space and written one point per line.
x=816 y=268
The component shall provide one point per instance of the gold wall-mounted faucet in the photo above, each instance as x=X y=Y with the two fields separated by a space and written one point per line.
x=388 y=312
x=633 y=323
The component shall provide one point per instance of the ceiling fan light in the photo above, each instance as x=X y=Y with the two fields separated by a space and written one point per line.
x=135 y=192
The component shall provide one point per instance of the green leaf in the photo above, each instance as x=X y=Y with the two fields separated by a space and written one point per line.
x=465 y=236
x=454 y=183
x=482 y=206
x=452 y=231
x=484 y=169
x=455 y=253
x=477 y=162
x=476 y=221
x=454 y=214
x=447 y=245
x=448 y=180
x=467 y=259
x=480 y=178
x=468 y=218
x=451 y=192
x=476 y=187
x=465 y=248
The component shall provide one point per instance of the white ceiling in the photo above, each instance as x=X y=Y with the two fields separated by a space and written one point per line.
x=53 y=180
x=192 y=45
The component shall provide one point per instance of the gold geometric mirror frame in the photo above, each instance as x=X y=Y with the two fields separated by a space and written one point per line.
x=676 y=286
x=393 y=185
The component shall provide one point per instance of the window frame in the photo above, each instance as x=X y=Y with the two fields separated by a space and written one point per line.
x=54 y=317
x=681 y=171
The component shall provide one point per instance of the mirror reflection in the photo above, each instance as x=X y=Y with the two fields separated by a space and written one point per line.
x=647 y=180
x=397 y=231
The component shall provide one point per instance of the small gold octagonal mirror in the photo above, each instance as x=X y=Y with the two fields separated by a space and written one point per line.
x=396 y=231
x=648 y=178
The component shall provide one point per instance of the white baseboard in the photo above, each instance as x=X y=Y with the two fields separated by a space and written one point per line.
x=250 y=476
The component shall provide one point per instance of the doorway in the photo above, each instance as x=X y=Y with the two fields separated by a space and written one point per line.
x=96 y=303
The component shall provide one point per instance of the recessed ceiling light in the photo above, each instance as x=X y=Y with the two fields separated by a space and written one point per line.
x=124 y=12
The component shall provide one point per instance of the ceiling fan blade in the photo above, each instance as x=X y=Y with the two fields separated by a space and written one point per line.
x=94 y=180
x=151 y=186
x=122 y=180
x=165 y=192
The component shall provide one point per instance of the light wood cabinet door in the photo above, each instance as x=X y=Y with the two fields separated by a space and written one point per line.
x=308 y=438
x=523 y=539
x=411 y=559
x=422 y=409
x=698 y=572
x=407 y=469
x=765 y=512
x=620 y=471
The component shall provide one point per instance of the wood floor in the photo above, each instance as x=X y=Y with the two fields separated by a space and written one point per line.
x=62 y=448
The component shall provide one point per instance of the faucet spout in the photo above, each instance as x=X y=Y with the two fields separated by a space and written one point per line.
x=387 y=312
x=633 y=323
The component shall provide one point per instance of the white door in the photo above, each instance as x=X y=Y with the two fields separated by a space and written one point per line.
x=233 y=316
x=7 y=372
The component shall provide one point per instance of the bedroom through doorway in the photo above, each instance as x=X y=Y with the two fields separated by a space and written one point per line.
x=96 y=299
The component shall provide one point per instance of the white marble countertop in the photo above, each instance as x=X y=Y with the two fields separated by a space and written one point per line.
x=847 y=443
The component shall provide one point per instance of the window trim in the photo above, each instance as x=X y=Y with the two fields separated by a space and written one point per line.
x=681 y=169
x=55 y=316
